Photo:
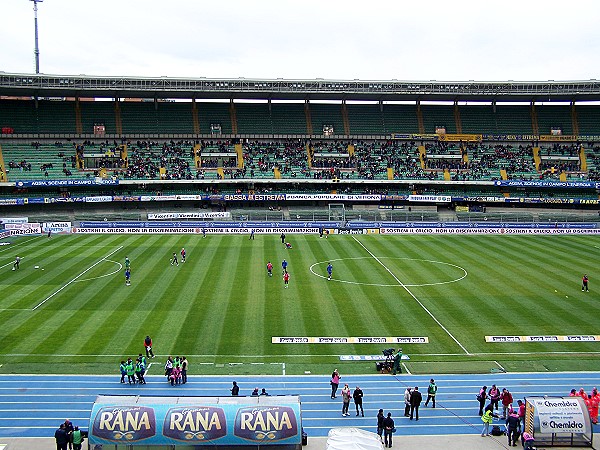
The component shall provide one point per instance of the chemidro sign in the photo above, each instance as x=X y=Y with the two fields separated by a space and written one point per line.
x=555 y=420
x=193 y=421
x=560 y=414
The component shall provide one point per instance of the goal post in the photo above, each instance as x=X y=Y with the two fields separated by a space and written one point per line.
x=337 y=212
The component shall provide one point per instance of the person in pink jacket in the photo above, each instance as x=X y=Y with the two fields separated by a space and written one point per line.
x=335 y=382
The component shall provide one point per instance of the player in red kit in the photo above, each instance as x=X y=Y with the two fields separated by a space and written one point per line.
x=584 y=283
x=286 y=279
x=270 y=269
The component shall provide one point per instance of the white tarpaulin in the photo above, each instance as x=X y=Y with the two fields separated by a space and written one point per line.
x=348 y=438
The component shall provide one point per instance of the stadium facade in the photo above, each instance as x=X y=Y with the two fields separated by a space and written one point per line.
x=223 y=143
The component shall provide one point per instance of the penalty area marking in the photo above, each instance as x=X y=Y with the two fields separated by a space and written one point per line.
x=12 y=246
x=500 y=366
x=412 y=295
x=76 y=278
x=107 y=275
x=465 y=273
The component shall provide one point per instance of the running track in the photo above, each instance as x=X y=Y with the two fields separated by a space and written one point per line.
x=34 y=405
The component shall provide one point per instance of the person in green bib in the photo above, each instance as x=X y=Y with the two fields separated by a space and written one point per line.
x=139 y=372
x=77 y=439
x=130 y=367
x=123 y=370
x=431 y=391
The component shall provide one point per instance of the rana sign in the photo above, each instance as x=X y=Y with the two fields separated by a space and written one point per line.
x=133 y=420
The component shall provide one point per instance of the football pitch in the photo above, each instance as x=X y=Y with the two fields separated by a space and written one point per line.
x=74 y=313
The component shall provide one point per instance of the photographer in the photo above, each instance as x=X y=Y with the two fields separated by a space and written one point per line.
x=397 y=360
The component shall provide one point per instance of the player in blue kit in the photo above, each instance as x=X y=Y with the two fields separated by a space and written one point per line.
x=127 y=277
x=329 y=271
x=284 y=265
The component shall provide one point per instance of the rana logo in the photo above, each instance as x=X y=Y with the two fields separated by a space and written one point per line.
x=204 y=423
x=124 y=423
x=266 y=424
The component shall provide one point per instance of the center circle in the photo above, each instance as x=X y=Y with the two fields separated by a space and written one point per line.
x=453 y=280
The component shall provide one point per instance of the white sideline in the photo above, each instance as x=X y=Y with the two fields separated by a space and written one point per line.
x=413 y=296
x=75 y=279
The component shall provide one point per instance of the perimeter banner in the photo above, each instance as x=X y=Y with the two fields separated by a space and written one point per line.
x=349 y=340
x=490 y=230
x=23 y=228
x=544 y=338
x=57 y=227
x=5 y=220
x=430 y=198
x=195 y=421
x=551 y=184
x=192 y=230
x=86 y=182
x=202 y=215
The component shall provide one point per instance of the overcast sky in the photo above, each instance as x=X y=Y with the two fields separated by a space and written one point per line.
x=520 y=40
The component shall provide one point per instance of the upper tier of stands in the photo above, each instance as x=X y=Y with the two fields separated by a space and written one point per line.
x=154 y=118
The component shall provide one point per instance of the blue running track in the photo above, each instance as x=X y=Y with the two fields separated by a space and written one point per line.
x=34 y=405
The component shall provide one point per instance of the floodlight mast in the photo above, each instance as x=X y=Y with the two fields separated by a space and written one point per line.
x=36 y=51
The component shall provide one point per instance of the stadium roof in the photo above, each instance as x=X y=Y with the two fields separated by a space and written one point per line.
x=14 y=84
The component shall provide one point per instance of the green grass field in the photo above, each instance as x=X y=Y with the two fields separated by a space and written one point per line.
x=75 y=315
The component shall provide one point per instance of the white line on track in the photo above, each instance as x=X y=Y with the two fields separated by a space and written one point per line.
x=75 y=279
x=412 y=295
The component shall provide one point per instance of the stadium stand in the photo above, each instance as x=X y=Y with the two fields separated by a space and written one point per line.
x=175 y=118
x=239 y=147
x=138 y=118
x=253 y=118
x=438 y=116
x=400 y=118
x=56 y=116
x=214 y=113
x=19 y=115
x=513 y=119
x=557 y=117
x=94 y=113
x=288 y=118
x=478 y=119
x=324 y=114
x=588 y=118
x=365 y=119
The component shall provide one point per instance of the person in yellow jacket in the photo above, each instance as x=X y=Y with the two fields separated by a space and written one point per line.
x=487 y=418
